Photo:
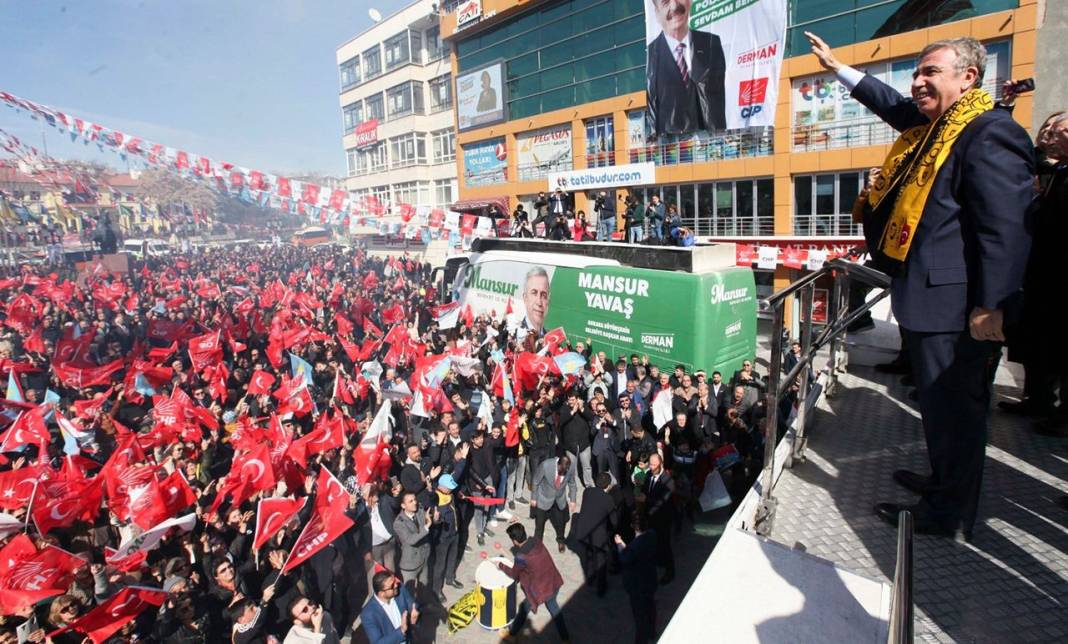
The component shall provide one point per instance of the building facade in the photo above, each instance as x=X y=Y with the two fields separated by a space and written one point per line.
x=574 y=73
x=396 y=110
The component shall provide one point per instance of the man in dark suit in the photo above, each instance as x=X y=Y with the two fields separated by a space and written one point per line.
x=658 y=489
x=638 y=561
x=959 y=274
x=592 y=529
x=684 y=74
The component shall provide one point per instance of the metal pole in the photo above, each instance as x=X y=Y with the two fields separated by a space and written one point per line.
x=807 y=297
x=771 y=397
x=833 y=314
x=901 y=618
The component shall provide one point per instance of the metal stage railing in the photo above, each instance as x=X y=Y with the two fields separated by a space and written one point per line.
x=901 y=611
x=839 y=317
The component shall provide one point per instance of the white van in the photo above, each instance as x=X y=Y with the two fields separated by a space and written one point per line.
x=138 y=247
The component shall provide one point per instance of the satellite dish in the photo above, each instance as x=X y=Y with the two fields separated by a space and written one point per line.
x=374 y=13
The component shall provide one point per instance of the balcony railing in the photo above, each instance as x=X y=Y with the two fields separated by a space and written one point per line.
x=730 y=226
x=532 y=171
x=735 y=144
x=848 y=134
x=826 y=226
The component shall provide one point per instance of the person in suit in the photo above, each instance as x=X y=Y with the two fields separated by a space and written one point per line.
x=719 y=390
x=591 y=532
x=685 y=74
x=487 y=98
x=390 y=614
x=638 y=562
x=555 y=493
x=444 y=538
x=412 y=527
x=957 y=245
x=658 y=489
x=607 y=442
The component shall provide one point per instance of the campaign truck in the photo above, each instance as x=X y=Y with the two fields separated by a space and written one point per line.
x=690 y=306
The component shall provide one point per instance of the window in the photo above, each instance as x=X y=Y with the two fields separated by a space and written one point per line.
x=600 y=142
x=407 y=192
x=406 y=150
x=561 y=53
x=372 y=63
x=350 y=161
x=441 y=93
x=444 y=146
x=722 y=209
x=823 y=203
x=443 y=192
x=406 y=98
x=416 y=38
x=435 y=49
x=351 y=116
x=371 y=158
x=698 y=147
x=374 y=108
x=381 y=193
x=396 y=50
x=350 y=73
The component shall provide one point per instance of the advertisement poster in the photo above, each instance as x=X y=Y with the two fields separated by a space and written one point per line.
x=366 y=133
x=623 y=310
x=480 y=98
x=485 y=163
x=713 y=64
x=544 y=150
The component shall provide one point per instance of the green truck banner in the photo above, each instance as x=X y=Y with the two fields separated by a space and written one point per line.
x=705 y=321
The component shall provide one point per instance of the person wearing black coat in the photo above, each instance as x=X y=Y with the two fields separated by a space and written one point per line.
x=574 y=423
x=592 y=529
x=638 y=561
x=703 y=410
x=658 y=489
x=606 y=448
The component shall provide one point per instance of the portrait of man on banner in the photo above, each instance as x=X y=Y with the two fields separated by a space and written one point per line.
x=685 y=72
x=535 y=300
x=712 y=65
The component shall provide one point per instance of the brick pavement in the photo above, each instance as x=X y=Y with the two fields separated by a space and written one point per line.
x=1009 y=585
x=589 y=619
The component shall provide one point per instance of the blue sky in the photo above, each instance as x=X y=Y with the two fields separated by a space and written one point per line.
x=252 y=83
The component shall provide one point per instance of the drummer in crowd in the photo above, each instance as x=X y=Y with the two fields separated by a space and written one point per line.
x=538 y=577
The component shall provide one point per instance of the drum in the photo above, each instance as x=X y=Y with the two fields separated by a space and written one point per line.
x=498 y=595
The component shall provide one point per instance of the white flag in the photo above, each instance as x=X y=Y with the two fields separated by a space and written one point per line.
x=150 y=538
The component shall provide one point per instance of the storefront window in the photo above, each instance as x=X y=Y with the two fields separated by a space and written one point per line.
x=600 y=142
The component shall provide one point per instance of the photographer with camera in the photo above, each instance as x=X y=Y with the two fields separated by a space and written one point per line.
x=606 y=217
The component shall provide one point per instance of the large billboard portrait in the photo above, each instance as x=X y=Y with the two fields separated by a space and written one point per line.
x=712 y=64
x=480 y=98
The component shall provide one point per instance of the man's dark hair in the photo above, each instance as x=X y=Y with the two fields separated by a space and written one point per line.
x=293 y=603
x=378 y=582
x=716 y=372
x=565 y=459
x=238 y=608
x=603 y=480
x=517 y=533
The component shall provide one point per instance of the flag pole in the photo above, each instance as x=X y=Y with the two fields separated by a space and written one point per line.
x=29 y=508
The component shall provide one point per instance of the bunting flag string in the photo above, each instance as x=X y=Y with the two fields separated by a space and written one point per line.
x=250 y=185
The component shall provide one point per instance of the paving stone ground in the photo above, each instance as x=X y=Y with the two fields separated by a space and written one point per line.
x=589 y=618
x=1009 y=585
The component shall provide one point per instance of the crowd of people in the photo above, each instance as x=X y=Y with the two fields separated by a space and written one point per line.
x=554 y=218
x=173 y=438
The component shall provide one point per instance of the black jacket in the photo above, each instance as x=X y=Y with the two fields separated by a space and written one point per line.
x=675 y=107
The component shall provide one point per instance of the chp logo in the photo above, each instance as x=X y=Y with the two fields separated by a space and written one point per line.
x=468 y=12
x=751 y=96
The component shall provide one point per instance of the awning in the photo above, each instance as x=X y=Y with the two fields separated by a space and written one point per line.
x=470 y=205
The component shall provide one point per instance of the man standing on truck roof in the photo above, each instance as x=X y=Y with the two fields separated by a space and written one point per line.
x=536 y=300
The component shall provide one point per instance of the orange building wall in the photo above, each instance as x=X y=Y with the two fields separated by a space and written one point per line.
x=1018 y=24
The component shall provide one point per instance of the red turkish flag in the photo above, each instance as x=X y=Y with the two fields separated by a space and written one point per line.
x=16 y=486
x=329 y=433
x=393 y=315
x=177 y=495
x=299 y=404
x=271 y=515
x=260 y=383
x=61 y=503
x=554 y=339
x=129 y=563
x=106 y=619
x=28 y=429
x=529 y=367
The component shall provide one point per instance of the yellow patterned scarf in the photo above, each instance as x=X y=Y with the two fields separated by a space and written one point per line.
x=912 y=165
